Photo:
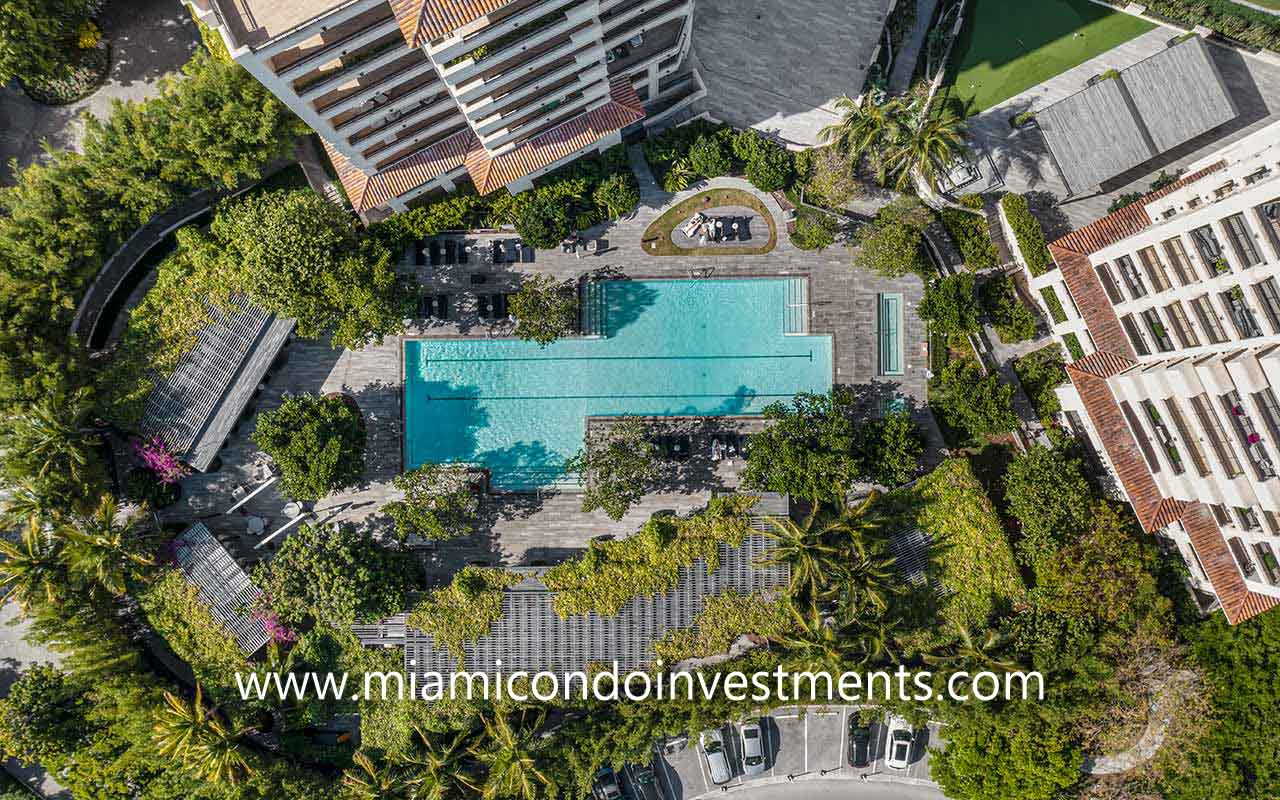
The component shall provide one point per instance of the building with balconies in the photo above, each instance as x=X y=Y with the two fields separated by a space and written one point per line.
x=1170 y=308
x=413 y=97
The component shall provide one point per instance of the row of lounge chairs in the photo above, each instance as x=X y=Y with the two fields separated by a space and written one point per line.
x=511 y=251
x=492 y=306
x=489 y=306
x=449 y=251
x=718 y=229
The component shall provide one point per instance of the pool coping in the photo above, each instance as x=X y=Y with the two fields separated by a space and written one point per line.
x=404 y=339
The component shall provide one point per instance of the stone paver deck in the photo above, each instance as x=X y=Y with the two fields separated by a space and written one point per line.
x=149 y=38
x=549 y=527
x=776 y=65
x=1023 y=160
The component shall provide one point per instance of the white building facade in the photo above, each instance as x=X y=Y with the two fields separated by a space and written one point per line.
x=412 y=97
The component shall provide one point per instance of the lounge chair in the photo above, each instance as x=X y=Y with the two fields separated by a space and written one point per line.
x=425 y=303
x=500 y=306
x=450 y=251
x=682 y=447
x=484 y=306
x=435 y=253
x=497 y=251
x=526 y=254
x=464 y=247
x=744 y=229
x=442 y=306
x=513 y=251
x=419 y=253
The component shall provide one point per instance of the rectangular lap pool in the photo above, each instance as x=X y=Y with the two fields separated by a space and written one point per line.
x=671 y=347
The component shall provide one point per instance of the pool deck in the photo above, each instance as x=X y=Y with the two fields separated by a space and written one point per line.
x=522 y=528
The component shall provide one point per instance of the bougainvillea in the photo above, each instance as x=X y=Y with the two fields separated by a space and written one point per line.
x=155 y=456
x=280 y=633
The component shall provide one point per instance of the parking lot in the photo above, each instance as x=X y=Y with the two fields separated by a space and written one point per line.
x=799 y=743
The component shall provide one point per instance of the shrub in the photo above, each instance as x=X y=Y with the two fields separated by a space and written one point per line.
x=464 y=610
x=827 y=177
x=618 y=195
x=723 y=619
x=1048 y=494
x=678 y=177
x=618 y=470
x=891 y=448
x=1040 y=373
x=950 y=305
x=37 y=36
x=1027 y=231
x=159 y=460
x=144 y=486
x=317 y=443
x=893 y=244
x=814 y=230
x=1248 y=25
x=173 y=608
x=974 y=404
x=707 y=157
x=1022 y=118
x=1054 y=304
x=545 y=310
x=543 y=221
x=1124 y=201
x=770 y=166
x=1164 y=180
x=970 y=233
x=1013 y=321
x=439 y=502
x=1073 y=346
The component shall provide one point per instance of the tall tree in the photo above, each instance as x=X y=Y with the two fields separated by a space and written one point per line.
x=31 y=569
x=928 y=149
x=440 y=768
x=195 y=737
x=104 y=548
x=386 y=779
x=36 y=35
x=510 y=754
x=48 y=444
x=619 y=468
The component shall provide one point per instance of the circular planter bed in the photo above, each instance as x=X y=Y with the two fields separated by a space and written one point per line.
x=89 y=70
x=658 y=239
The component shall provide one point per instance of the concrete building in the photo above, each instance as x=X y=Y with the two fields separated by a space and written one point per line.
x=413 y=97
x=1171 y=310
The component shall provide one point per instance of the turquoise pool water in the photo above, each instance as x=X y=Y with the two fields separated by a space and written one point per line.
x=672 y=347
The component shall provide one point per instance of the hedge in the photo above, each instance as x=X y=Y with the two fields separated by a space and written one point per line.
x=970 y=234
x=1244 y=24
x=1027 y=230
x=1054 y=304
x=1073 y=346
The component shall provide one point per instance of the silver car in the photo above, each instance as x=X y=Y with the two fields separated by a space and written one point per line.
x=712 y=744
x=900 y=744
x=752 y=736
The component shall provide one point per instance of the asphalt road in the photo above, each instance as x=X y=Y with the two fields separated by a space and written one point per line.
x=842 y=789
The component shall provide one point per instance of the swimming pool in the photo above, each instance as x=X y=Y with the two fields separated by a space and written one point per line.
x=671 y=347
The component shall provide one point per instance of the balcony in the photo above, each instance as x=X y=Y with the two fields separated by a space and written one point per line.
x=1249 y=437
x=1267 y=558
x=1164 y=437
x=1242 y=316
x=1246 y=564
x=645 y=46
x=1210 y=250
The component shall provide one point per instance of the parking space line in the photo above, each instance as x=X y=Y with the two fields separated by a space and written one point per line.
x=666 y=768
x=768 y=748
x=806 y=742
x=844 y=737
x=702 y=765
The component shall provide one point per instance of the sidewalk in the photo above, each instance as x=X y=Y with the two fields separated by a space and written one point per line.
x=904 y=61
x=18 y=655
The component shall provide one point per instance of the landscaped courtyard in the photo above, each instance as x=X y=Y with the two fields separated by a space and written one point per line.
x=1008 y=46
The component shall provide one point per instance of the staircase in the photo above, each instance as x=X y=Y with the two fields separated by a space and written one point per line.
x=795 y=318
x=592 y=310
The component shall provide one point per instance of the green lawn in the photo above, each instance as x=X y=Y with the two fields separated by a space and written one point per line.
x=1008 y=46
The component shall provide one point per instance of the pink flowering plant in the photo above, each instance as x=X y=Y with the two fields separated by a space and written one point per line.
x=280 y=633
x=155 y=456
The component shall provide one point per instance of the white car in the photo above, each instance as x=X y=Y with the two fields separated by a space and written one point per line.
x=712 y=744
x=900 y=744
x=752 y=736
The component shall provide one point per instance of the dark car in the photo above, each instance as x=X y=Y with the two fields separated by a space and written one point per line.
x=859 y=742
x=606 y=785
x=644 y=784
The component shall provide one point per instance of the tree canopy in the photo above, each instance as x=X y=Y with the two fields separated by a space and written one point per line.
x=318 y=444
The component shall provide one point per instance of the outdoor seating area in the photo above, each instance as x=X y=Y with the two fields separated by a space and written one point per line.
x=450 y=251
x=731 y=226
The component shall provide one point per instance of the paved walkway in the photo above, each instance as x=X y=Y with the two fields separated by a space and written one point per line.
x=521 y=529
x=776 y=65
x=1257 y=7
x=18 y=655
x=904 y=61
x=149 y=38
x=1023 y=160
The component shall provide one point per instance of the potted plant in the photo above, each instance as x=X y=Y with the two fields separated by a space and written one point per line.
x=1220 y=266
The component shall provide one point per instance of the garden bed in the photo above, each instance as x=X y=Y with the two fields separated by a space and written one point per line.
x=89 y=70
x=657 y=237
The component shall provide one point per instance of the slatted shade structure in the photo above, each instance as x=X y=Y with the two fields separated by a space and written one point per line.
x=1129 y=117
x=222 y=586
x=532 y=636
x=194 y=408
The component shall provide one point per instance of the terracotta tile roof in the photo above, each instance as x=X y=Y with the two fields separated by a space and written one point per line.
x=423 y=21
x=1102 y=364
x=492 y=173
x=1089 y=296
x=1238 y=603
x=1126 y=222
x=370 y=191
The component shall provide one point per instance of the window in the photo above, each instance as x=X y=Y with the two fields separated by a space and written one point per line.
x=1273 y=522
x=1181 y=325
x=1269 y=299
x=1154 y=269
x=1109 y=283
x=1241 y=315
x=1221 y=514
x=1177 y=255
x=1132 y=280
x=1164 y=437
x=1250 y=440
x=1140 y=436
x=1184 y=433
x=1135 y=336
x=1210 y=250
x=1216 y=435
x=1248 y=519
x=1156 y=327
x=1266 y=401
x=1208 y=319
x=1269 y=213
x=1242 y=240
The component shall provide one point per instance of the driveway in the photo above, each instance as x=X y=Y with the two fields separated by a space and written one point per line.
x=18 y=654
x=149 y=38
x=805 y=748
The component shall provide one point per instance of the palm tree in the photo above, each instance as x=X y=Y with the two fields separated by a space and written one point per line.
x=438 y=770
x=864 y=129
x=862 y=583
x=928 y=149
x=32 y=568
x=874 y=639
x=806 y=547
x=194 y=736
x=102 y=549
x=383 y=781
x=510 y=755
x=28 y=499
x=984 y=652
x=817 y=643
x=51 y=439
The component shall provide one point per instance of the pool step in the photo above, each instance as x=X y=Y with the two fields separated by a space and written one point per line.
x=530 y=479
x=795 y=315
x=592 y=309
